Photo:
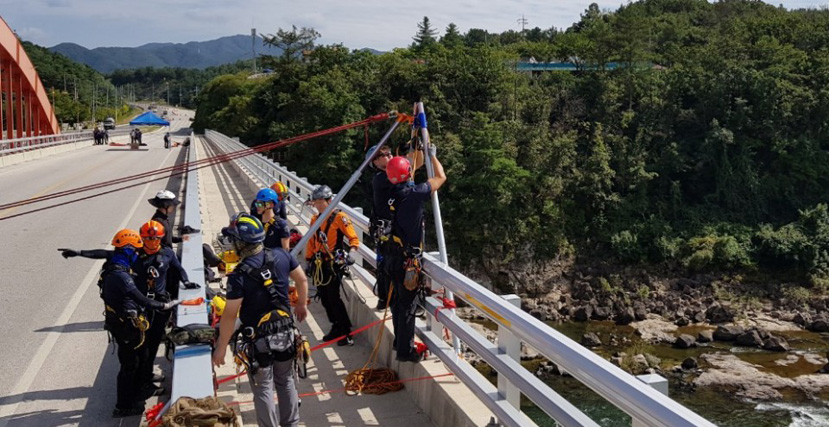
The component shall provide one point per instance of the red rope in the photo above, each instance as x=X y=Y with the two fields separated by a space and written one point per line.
x=183 y=168
x=315 y=348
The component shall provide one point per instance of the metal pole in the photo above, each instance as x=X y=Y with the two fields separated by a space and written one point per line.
x=420 y=119
x=340 y=194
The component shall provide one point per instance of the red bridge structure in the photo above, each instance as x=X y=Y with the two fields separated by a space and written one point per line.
x=26 y=110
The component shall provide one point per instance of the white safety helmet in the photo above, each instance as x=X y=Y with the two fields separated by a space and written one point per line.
x=163 y=199
x=165 y=195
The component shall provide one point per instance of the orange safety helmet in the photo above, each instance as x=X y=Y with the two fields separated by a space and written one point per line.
x=151 y=233
x=281 y=189
x=398 y=169
x=127 y=237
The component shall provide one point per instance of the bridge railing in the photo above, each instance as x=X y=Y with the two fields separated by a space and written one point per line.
x=11 y=146
x=645 y=405
x=192 y=365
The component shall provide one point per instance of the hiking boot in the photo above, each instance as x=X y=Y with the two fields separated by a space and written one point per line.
x=413 y=357
x=128 y=412
x=331 y=335
x=151 y=390
x=158 y=378
x=346 y=341
x=381 y=305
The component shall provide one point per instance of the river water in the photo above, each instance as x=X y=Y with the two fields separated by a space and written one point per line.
x=718 y=406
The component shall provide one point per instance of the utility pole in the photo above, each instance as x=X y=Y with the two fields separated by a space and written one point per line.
x=253 y=46
x=94 y=102
x=168 y=92
x=523 y=21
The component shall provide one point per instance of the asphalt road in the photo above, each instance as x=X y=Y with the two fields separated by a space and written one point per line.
x=57 y=368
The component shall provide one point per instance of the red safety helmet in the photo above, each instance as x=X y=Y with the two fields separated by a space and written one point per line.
x=151 y=234
x=398 y=169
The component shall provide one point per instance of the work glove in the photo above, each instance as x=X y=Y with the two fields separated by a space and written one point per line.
x=433 y=150
x=170 y=305
x=349 y=260
x=189 y=230
x=190 y=285
x=69 y=253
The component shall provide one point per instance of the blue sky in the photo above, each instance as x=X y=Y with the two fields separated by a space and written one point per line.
x=380 y=25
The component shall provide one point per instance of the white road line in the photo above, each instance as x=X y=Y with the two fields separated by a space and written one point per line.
x=28 y=377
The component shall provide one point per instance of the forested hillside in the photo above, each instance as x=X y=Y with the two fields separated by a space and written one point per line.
x=75 y=89
x=706 y=150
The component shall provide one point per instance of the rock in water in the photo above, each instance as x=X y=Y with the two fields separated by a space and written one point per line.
x=590 y=340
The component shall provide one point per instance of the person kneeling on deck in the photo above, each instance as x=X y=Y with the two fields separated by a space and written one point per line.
x=327 y=256
x=124 y=318
x=276 y=229
x=258 y=291
x=408 y=228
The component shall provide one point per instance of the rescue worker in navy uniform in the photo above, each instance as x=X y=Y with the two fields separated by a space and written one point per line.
x=380 y=226
x=327 y=255
x=124 y=319
x=149 y=272
x=277 y=233
x=151 y=278
x=247 y=295
x=407 y=234
x=380 y=218
x=165 y=203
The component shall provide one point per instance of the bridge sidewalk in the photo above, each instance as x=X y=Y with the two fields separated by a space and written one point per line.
x=223 y=192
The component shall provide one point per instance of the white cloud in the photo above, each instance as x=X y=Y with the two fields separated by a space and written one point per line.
x=34 y=35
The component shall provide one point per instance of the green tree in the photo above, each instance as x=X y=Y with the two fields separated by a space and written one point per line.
x=292 y=43
x=452 y=38
x=425 y=34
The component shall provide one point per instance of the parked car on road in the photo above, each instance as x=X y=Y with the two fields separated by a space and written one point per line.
x=109 y=123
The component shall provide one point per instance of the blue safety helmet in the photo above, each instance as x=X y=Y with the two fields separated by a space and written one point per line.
x=267 y=195
x=246 y=228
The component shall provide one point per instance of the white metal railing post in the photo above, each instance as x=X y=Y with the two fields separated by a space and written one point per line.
x=509 y=344
x=656 y=382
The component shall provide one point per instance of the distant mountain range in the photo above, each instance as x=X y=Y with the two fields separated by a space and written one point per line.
x=185 y=55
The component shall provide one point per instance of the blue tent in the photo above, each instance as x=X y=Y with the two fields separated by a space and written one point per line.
x=149 y=119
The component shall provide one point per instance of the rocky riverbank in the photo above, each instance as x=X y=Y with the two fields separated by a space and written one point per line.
x=719 y=331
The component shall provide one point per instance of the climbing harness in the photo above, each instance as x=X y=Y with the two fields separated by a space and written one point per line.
x=274 y=336
x=133 y=319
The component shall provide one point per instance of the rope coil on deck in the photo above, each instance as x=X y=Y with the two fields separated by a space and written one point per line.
x=369 y=380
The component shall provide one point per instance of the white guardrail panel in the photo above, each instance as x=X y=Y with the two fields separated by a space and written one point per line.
x=192 y=365
x=644 y=404
x=11 y=146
